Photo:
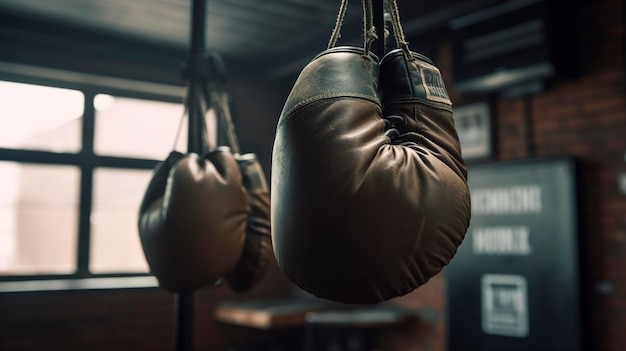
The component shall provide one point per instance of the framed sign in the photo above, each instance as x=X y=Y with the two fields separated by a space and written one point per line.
x=514 y=282
x=473 y=124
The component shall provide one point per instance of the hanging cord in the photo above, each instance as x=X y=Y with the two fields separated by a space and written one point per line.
x=219 y=101
x=386 y=22
x=210 y=94
x=398 y=33
x=195 y=89
x=337 y=30
x=204 y=107
x=180 y=122
x=369 y=31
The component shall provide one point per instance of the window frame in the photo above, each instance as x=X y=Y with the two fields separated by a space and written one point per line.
x=87 y=161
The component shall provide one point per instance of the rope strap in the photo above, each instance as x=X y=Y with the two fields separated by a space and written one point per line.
x=208 y=98
x=336 y=31
x=369 y=32
x=398 y=32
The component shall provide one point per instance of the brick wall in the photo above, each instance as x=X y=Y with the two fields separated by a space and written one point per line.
x=584 y=117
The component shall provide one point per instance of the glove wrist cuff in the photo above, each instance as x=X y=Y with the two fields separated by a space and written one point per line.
x=403 y=79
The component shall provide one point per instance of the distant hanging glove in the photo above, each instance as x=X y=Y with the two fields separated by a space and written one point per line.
x=192 y=220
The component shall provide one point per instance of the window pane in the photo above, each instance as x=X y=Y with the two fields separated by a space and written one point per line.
x=137 y=128
x=115 y=244
x=38 y=218
x=41 y=118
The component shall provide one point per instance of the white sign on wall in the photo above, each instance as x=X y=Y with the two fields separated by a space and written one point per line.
x=504 y=305
x=473 y=125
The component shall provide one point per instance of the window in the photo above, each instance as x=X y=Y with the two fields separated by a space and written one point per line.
x=115 y=245
x=74 y=164
x=38 y=218
x=38 y=117
x=138 y=128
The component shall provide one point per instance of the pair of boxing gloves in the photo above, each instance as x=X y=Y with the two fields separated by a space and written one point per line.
x=369 y=192
x=204 y=218
x=369 y=187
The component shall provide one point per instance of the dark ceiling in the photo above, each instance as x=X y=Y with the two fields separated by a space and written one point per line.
x=282 y=34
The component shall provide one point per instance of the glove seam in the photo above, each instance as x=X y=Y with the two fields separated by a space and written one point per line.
x=320 y=97
x=437 y=105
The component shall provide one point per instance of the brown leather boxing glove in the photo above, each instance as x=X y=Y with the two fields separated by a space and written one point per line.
x=358 y=215
x=192 y=219
x=416 y=104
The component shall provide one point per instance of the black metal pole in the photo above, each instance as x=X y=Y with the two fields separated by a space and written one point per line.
x=378 y=9
x=195 y=141
x=184 y=321
x=183 y=302
x=198 y=27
